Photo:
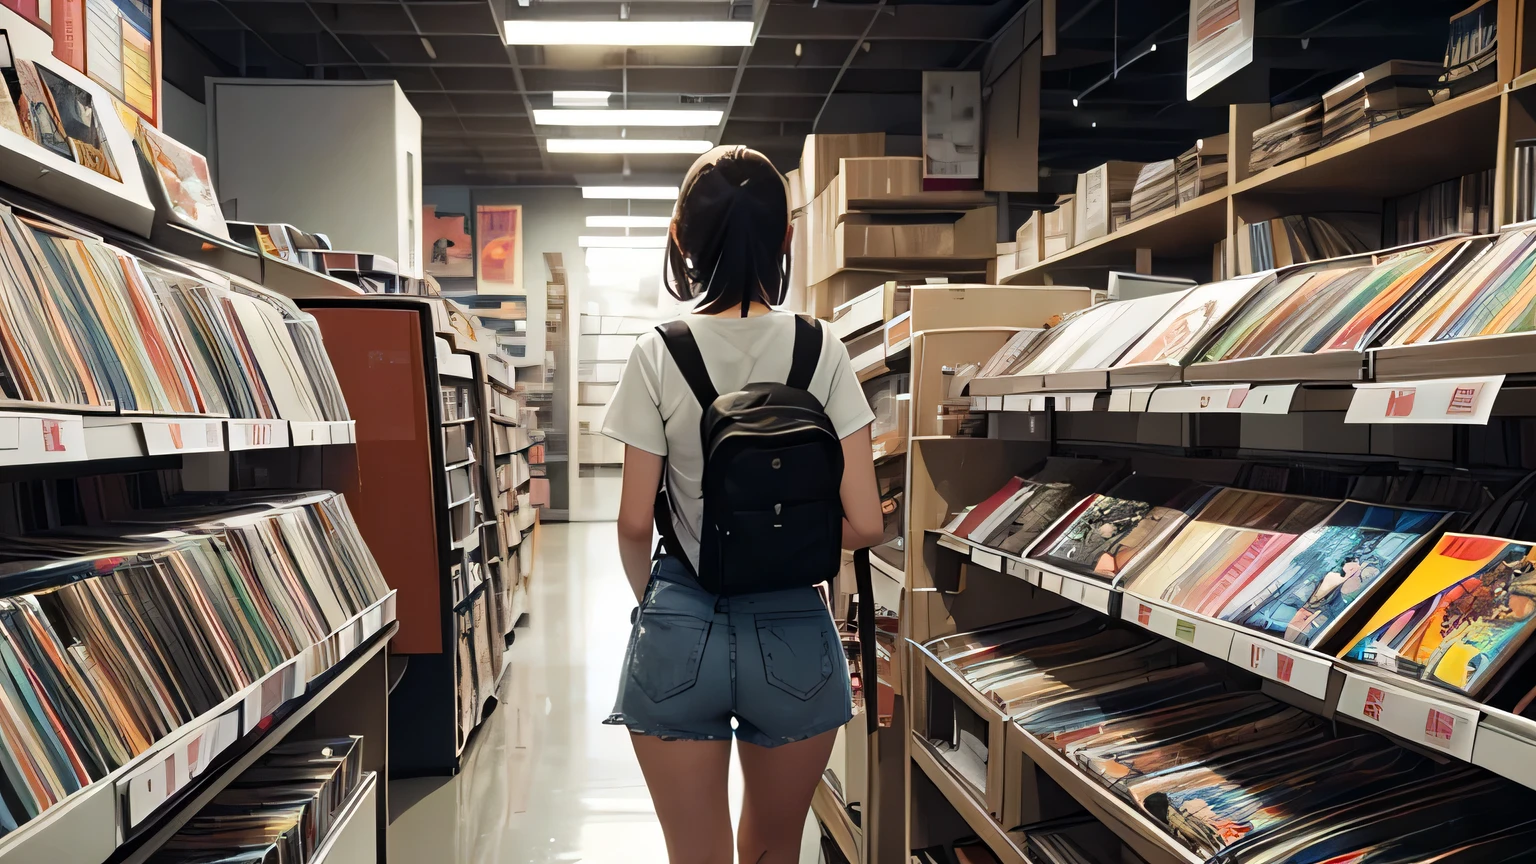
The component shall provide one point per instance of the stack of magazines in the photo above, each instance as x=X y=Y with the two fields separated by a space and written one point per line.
x=1296 y=131
x=280 y=811
x=1472 y=52
x=130 y=636
x=1390 y=91
x=1156 y=189
x=89 y=325
x=1202 y=168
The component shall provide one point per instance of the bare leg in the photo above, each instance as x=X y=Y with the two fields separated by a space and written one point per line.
x=688 y=781
x=779 y=784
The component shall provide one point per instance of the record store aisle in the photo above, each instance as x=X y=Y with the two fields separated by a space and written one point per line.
x=545 y=781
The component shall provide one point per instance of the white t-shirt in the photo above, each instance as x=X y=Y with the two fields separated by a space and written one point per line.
x=653 y=408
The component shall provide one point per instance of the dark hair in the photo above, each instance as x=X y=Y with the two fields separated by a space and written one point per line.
x=726 y=246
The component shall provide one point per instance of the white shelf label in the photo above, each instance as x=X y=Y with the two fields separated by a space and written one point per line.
x=1130 y=399
x=1204 y=635
x=990 y=560
x=1420 y=718
x=1018 y=570
x=1460 y=401
x=1016 y=402
x=257 y=434
x=155 y=782
x=1294 y=667
x=169 y=437
x=1223 y=399
x=1074 y=401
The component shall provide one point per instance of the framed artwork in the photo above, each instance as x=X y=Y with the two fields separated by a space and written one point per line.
x=499 y=248
x=450 y=249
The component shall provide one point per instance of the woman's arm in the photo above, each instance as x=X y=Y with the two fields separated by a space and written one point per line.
x=863 y=524
x=637 y=503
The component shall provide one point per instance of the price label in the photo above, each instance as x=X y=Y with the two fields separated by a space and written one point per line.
x=1016 y=402
x=163 y=438
x=53 y=436
x=1421 y=718
x=1184 y=631
x=1223 y=399
x=1293 y=667
x=257 y=434
x=1130 y=399
x=1463 y=401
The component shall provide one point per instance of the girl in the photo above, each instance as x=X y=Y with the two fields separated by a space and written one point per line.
x=767 y=668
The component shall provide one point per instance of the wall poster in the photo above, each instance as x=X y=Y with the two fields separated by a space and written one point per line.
x=1220 y=42
x=499 y=249
x=445 y=237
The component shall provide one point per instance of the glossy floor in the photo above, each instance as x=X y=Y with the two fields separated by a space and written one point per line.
x=544 y=780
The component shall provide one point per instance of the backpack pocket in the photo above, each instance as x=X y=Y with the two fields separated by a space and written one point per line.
x=794 y=546
x=797 y=651
x=668 y=648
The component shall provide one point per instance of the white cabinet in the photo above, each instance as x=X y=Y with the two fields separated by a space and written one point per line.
x=339 y=158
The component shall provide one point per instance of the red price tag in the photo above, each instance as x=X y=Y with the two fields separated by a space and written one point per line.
x=53 y=436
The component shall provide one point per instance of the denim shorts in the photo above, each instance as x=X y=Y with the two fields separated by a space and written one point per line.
x=772 y=661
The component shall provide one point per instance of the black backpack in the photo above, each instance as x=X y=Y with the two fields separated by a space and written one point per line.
x=773 y=470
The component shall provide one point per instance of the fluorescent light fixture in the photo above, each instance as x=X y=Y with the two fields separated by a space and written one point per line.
x=648 y=193
x=629 y=33
x=627 y=145
x=626 y=117
x=655 y=241
x=581 y=98
x=629 y=221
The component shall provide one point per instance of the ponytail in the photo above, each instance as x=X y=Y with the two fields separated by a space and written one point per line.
x=726 y=247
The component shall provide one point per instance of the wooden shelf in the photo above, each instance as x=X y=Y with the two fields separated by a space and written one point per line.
x=1448 y=140
x=1189 y=230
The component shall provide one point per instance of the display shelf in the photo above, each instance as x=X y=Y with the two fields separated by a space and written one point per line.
x=1185 y=231
x=988 y=831
x=354 y=834
x=929 y=673
x=829 y=810
x=127 y=815
x=1142 y=835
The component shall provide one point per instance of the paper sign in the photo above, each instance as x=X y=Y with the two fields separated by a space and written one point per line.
x=1143 y=614
x=257 y=434
x=1444 y=400
x=1223 y=399
x=1184 y=631
x=1074 y=401
x=1130 y=399
x=165 y=438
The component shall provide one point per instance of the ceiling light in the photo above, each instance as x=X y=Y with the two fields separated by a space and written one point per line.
x=655 y=241
x=613 y=260
x=627 y=145
x=626 y=117
x=629 y=221
x=629 y=33
x=581 y=98
x=651 y=193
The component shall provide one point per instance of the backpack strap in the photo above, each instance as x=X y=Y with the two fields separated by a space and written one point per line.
x=807 y=354
x=868 y=649
x=685 y=353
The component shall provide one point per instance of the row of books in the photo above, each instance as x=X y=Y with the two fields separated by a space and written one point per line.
x=1222 y=769
x=1450 y=289
x=1300 y=568
x=88 y=325
x=137 y=626
x=1291 y=240
x=1461 y=205
x=281 y=810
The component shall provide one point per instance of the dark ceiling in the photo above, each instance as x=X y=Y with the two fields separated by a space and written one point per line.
x=827 y=65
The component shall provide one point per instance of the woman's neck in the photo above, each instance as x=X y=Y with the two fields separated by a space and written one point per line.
x=754 y=310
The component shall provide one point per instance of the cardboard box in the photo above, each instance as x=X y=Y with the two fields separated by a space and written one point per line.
x=797 y=197
x=971 y=237
x=819 y=160
x=1058 y=228
x=1029 y=241
x=1006 y=262
x=895 y=181
x=1098 y=189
